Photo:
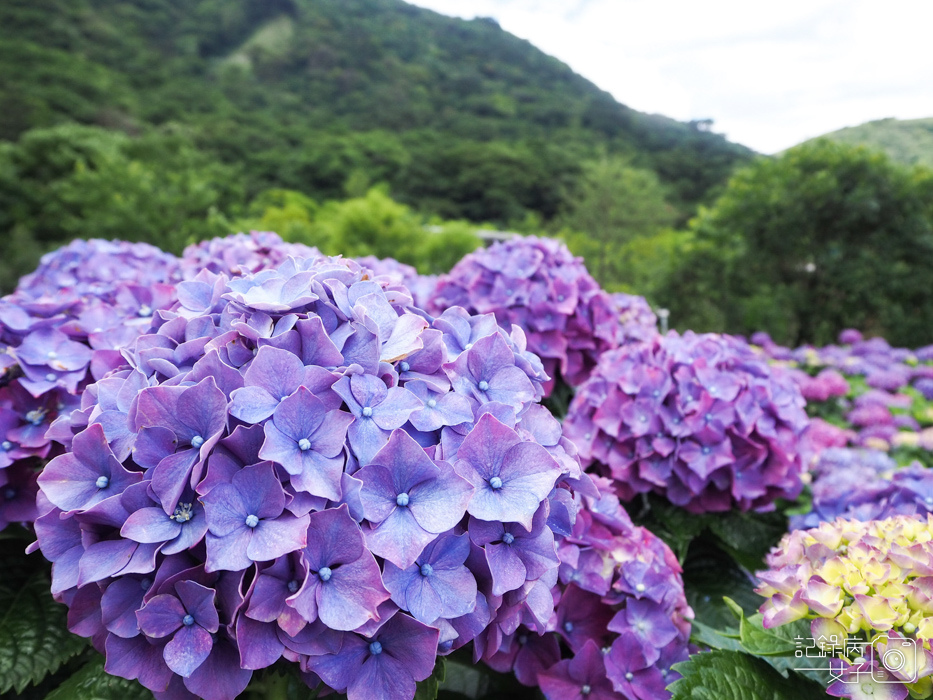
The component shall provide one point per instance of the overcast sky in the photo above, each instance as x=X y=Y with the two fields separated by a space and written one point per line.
x=770 y=74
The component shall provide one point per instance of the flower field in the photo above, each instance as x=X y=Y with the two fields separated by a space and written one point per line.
x=258 y=471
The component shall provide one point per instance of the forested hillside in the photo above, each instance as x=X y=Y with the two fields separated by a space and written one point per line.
x=907 y=141
x=459 y=118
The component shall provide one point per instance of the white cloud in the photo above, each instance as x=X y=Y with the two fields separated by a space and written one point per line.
x=769 y=74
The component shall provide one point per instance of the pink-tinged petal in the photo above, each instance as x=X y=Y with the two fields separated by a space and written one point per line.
x=104 y=559
x=258 y=643
x=782 y=609
x=508 y=570
x=398 y=538
x=228 y=553
x=252 y=404
x=352 y=595
x=439 y=504
x=171 y=477
x=150 y=525
x=379 y=679
x=224 y=510
x=136 y=659
x=273 y=538
x=405 y=338
x=199 y=602
x=161 y=616
x=220 y=676
x=188 y=649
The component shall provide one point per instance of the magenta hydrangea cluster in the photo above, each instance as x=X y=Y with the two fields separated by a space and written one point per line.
x=882 y=409
x=621 y=616
x=701 y=419
x=862 y=484
x=537 y=284
x=241 y=254
x=60 y=330
x=300 y=464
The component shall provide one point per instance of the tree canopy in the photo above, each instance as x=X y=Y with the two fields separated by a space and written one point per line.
x=824 y=237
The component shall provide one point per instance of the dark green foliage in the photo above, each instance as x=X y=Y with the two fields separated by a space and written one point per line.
x=93 y=683
x=822 y=238
x=33 y=638
x=460 y=118
x=73 y=181
x=907 y=141
x=732 y=675
x=614 y=206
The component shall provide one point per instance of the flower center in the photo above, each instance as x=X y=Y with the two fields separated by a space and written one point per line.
x=9 y=493
x=629 y=676
x=427 y=569
x=640 y=588
x=404 y=366
x=304 y=444
x=145 y=584
x=183 y=513
x=483 y=385
x=293 y=586
x=495 y=482
x=197 y=441
x=144 y=311
x=325 y=573
x=375 y=648
x=251 y=521
x=102 y=482
x=187 y=620
x=705 y=449
x=367 y=411
x=402 y=500
x=508 y=538
x=50 y=377
x=432 y=403
x=36 y=416
x=52 y=354
x=568 y=626
x=6 y=445
x=585 y=690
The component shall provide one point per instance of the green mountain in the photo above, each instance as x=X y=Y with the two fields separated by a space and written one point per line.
x=907 y=141
x=459 y=118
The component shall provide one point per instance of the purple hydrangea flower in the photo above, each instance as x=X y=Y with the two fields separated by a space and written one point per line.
x=700 y=419
x=537 y=284
x=271 y=445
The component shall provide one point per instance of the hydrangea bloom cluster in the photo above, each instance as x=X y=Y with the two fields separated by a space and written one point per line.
x=420 y=286
x=537 y=284
x=241 y=254
x=863 y=484
x=300 y=464
x=622 y=618
x=700 y=419
x=879 y=403
x=96 y=267
x=62 y=328
x=638 y=320
x=866 y=588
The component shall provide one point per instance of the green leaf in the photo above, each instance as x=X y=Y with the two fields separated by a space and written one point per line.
x=756 y=640
x=93 y=683
x=34 y=639
x=674 y=525
x=707 y=636
x=709 y=575
x=748 y=537
x=427 y=689
x=730 y=675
